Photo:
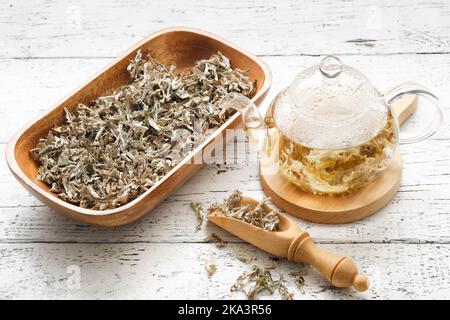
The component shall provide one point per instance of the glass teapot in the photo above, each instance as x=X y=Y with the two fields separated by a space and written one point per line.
x=331 y=131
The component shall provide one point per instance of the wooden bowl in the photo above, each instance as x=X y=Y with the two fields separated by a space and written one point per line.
x=179 y=46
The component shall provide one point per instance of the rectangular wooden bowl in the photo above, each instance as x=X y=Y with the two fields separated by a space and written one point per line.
x=179 y=46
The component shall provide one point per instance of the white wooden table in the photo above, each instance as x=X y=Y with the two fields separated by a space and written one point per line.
x=48 y=48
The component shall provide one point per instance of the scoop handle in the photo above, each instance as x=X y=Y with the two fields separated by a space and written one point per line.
x=339 y=270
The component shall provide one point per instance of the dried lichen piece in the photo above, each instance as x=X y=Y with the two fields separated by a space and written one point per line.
x=260 y=280
x=197 y=207
x=220 y=243
x=211 y=267
x=300 y=283
x=113 y=149
x=246 y=258
x=273 y=264
x=299 y=280
x=283 y=290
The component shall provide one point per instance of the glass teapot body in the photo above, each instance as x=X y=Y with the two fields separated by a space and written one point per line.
x=323 y=169
x=330 y=132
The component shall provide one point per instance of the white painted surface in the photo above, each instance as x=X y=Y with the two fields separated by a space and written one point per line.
x=48 y=49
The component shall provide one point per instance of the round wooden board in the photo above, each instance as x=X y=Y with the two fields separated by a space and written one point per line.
x=332 y=209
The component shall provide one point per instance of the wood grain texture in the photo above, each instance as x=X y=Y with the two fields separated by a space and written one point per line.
x=331 y=209
x=47 y=80
x=149 y=271
x=299 y=27
x=46 y=50
x=419 y=212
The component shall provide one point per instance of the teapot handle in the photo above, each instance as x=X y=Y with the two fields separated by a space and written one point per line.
x=405 y=89
x=254 y=124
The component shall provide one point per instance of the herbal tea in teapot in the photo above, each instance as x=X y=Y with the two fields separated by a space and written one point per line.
x=331 y=131
x=333 y=171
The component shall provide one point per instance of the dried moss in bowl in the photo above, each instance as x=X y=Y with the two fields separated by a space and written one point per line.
x=112 y=150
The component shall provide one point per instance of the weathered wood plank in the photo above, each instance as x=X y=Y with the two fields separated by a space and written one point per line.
x=161 y=256
x=419 y=212
x=176 y=271
x=43 y=82
x=106 y=28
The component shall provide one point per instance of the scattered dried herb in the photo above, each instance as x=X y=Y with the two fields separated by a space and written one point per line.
x=113 y=149
x=259 y=280
x=271 y=266
x=220 y=243
x=283 y=290
x=299 y=281
x=211 y=267
x=197 y=207
x=246 y=258
x=256 y=216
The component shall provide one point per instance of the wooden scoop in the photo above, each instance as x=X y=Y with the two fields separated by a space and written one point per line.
x=294 y=244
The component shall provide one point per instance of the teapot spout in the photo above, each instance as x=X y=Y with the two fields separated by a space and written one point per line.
x=254 y=125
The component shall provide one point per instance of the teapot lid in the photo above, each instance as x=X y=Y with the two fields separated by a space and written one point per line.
x=330 y=106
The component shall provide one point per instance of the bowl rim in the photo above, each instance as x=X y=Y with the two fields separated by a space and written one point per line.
x=22 y=177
